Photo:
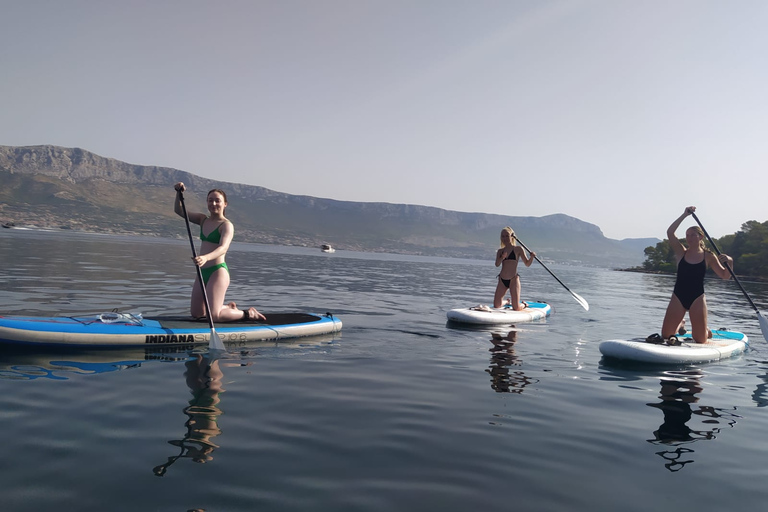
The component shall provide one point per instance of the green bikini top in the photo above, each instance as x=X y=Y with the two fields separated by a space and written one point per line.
x=214 y=236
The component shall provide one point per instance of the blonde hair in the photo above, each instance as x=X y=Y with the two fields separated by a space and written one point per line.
x=511 y=236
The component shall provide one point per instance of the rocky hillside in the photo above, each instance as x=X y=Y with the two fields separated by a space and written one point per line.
x=71 y=188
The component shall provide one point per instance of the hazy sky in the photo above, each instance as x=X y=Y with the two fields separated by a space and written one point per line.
x=617 y=112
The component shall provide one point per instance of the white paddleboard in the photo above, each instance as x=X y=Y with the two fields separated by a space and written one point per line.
x=722 y=345
x=484 y=315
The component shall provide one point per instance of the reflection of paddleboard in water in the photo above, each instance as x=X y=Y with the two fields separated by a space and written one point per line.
x=484 y=315
x=29 y=363
x=723 y=344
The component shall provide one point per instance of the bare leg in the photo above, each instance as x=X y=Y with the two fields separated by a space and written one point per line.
x=197 y=303
x=217 y=289
x=698 y=316
x=498 y=298
x=255 y=315
x=514 y=293
x=675 y=313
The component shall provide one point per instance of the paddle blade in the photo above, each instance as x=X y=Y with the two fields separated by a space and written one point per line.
x=763 y=324
x=581 y=300
x=215 y=342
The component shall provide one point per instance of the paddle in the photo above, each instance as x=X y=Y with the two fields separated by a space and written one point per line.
x=760 y=316
x=576 y=296
x=215 y=342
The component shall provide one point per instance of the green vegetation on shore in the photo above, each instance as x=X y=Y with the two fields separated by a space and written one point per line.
x=748 y=247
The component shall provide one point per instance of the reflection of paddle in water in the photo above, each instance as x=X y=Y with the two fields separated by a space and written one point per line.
x=502 y=357
x=760 y=392
x=677 y=395
x=204 y=381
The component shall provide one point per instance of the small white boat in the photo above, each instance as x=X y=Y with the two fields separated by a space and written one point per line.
x=327 y=248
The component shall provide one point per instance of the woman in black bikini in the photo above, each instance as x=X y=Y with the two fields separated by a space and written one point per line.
x=508 y=256
x=216 y=233
x=688 y=294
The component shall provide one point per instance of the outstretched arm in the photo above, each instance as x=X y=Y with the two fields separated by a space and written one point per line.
x=674 y=243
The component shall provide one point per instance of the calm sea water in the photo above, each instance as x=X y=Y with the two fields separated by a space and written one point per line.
x=399 y=412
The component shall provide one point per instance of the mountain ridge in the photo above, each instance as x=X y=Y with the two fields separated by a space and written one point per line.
x=83 y=190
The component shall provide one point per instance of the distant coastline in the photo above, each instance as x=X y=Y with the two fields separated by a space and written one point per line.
x=639 y=270
x=71 y=188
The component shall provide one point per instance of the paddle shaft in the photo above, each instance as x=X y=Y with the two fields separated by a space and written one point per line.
x=575 y=296
x=726 y=265
x=197 y=267
x=162 y=468
x=542 y=264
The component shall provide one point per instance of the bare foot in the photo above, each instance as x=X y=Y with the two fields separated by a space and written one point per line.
x=253 y=314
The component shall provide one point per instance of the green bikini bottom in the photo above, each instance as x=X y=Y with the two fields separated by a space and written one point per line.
x=208 y=271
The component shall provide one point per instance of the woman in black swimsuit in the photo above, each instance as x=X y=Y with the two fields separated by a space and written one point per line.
x=508 y=256
x=688 y=294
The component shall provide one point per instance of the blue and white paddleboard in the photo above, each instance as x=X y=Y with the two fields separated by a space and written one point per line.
x=122 y=330
x=484 y=315
x=722 y=345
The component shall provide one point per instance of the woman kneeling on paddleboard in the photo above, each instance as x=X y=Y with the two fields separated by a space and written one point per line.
x=216 y=233
x=688 y=294
x=508 y=256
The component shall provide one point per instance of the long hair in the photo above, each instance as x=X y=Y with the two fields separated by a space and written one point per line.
x=511 y=236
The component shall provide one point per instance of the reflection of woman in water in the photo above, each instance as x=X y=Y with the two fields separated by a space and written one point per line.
x=204 y=381
x=677 y=395
x=502 y=357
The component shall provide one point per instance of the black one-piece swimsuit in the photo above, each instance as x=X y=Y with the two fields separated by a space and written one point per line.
x=689 y=285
